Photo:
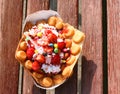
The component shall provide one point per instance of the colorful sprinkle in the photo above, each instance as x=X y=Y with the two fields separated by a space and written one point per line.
x=51 y=44
x=27 y=38
x=39 y=34
x=36 y=51
x=66 y=49
x=55 y=45
x=56 y=50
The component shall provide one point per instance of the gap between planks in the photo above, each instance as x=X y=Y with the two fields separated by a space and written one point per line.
x=80 y=59
x=104 y=31
x=20 y=67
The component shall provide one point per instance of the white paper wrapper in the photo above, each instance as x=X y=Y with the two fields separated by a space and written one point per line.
x=40 y=15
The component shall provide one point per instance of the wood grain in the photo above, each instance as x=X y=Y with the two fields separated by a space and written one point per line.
x=113 y=15
x=10 y=28
x=28 y=85
x=92 y=76
x=68 y=10
x=37 y=5
x=69 y=13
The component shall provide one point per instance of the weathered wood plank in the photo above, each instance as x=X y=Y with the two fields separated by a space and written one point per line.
x=92 y=76
x=37 y=5
x=28 y=85
x=113 y=16
x=10 y=28
x=69 y=13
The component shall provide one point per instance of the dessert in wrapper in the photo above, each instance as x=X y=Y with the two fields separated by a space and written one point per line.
x=49 y=48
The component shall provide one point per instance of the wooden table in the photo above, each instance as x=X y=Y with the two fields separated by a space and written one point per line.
x=101 y=52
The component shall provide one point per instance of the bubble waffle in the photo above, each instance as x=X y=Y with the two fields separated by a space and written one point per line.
x=49 y=49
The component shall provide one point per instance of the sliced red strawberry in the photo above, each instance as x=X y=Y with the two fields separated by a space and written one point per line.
x=55 y=59
x=61 y=45
x=30 y=52
x=35 y=66
x=52 y=38
x=48 y=32
x=48 y=49
x=40 y=58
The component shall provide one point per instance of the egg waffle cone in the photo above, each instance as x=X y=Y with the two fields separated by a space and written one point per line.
x=74 y=40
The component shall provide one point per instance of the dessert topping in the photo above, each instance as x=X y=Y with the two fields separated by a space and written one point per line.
x=30 y=52
x=35 y=66
x=46 y=48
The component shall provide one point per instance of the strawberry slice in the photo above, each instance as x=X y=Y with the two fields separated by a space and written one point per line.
x=30 y=52
x=52 y=38
x=48 y=49
x=55 y=59
x=35 y=66
x=40 y=58
x=48 y=32
x=61 y=45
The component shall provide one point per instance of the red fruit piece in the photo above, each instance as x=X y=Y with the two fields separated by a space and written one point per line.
x=52 y=38
x=35 y=66
x=30 y=52
x=48 y=49
x=40 y=58
x=61 y=45
x=55 y=59
x=48 y=32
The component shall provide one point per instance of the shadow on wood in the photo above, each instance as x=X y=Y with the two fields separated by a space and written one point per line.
x=36 y=90
x=70 y=86
x=88 y=71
